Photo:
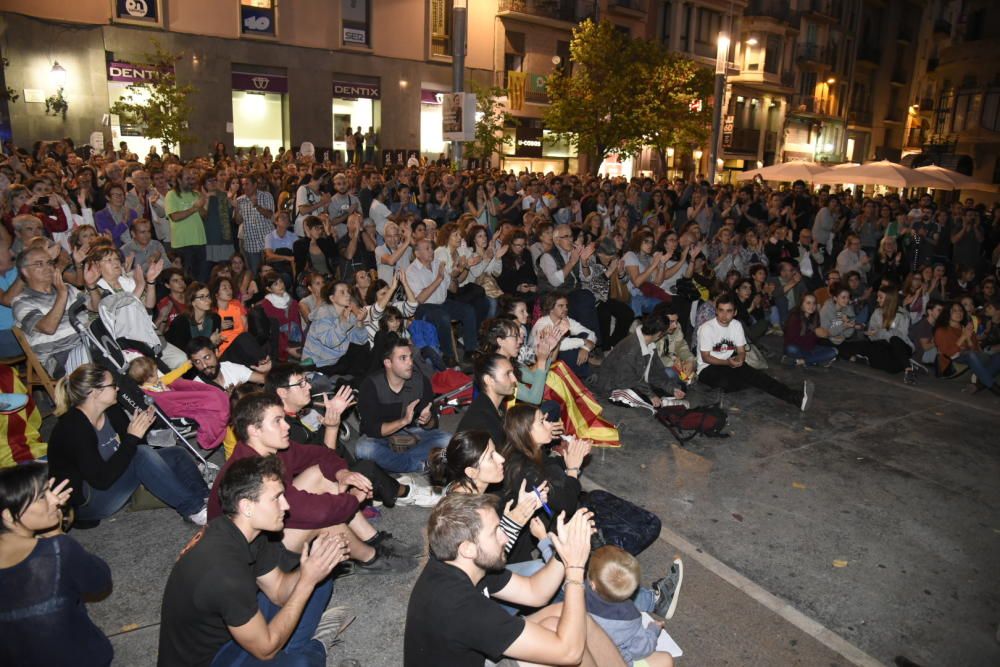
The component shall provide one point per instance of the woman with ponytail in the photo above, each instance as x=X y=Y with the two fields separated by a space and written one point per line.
x=99 y=450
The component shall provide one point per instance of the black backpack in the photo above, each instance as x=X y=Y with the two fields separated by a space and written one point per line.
x=685 y=423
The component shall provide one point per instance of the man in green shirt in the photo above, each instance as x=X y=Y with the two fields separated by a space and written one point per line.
x=186 y=208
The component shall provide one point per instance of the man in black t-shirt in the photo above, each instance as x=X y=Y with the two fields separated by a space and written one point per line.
x=212 y=609
x=396 y=404
x=452 y=619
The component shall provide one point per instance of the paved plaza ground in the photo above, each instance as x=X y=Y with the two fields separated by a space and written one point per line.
x=866 y=529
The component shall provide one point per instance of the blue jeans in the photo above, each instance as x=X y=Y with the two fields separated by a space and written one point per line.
x=300 y=651
x=642 y=304
x=569 y=358
x=441 y=315
x=9 y=347
x=985 y=366
x=821 y=354
x=413 y=459
x=170 y=474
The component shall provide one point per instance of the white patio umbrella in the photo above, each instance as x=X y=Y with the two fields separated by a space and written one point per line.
x=882 y=172
x=786 y=171
x=958 y=180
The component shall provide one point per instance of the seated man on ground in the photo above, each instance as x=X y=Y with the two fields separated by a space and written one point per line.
x=634 y=363
x=206 y=367
x=452 y=618
x=722 y=349
x=234 y=597
x=290 y=384
x=41 y=311
x=323 y=495
x=398 y=426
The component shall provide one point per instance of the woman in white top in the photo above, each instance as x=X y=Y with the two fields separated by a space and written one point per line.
x=483 y=259
x=642 y=267
x=576 y=346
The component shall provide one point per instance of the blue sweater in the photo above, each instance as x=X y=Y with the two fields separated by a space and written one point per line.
x=41 y=605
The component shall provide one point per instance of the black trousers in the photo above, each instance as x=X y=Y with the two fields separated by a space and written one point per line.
x=355 y=362
x=890 y=356
x=384 y=486
x=623 y=315
x=730 y=379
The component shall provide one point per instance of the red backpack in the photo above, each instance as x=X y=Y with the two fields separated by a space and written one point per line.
x=685 y=423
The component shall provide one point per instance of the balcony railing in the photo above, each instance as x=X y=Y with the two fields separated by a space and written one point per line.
x=570 y=11
x=815 y=53
x=775 y=9
x=812 y=104
x=826 y=8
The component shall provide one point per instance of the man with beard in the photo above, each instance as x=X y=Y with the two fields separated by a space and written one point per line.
x=452 y=618
x=495 y=381
x=225 y=375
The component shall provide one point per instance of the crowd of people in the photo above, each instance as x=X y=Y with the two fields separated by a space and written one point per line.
x=269 y=300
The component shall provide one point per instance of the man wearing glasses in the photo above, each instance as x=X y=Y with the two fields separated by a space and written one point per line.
x=562 y=267
x=41 y=310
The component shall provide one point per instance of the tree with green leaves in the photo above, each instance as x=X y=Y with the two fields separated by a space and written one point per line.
x=593 y=104
x=663 y=105
x=490 y=138
x=158 y=103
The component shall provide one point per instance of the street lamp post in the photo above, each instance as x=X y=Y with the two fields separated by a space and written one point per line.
x=459 y=16
x=721 y=56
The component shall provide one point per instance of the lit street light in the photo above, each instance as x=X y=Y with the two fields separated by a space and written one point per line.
x=721 y=56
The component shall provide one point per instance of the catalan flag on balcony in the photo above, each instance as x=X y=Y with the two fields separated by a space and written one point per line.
x=517 y=82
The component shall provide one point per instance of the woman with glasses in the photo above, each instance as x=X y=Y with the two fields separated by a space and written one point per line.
x=100 y=450
x=517 y=270
x=115 y=219
x=198 y=318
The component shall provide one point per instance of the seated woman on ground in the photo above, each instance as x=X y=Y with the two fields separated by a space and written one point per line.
x=530 y=462
x=750 y=310
x=99 y=450
x=886 y=344
x=576 y=345
x=231 y=311
x=337 y=342
x=45 y=576
x=803 y=332
x=280 y=307
x=956 y=342
x=502 y=335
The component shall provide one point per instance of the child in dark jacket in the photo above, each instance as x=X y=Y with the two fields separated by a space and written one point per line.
x=613 y=577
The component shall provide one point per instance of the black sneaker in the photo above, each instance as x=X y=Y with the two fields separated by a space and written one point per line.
x=667 y=591
x=386 y=562
x=385 y=542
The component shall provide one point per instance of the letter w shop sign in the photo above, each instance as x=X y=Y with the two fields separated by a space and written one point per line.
x=260 y=83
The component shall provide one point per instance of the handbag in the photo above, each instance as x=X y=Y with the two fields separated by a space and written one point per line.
x=401 y=441
x=755 y=358
x=622 y=523
x=489 y=284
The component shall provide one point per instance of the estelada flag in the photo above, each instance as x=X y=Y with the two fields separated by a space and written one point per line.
x=580 y=411
x=20 y=441
x=517 y=82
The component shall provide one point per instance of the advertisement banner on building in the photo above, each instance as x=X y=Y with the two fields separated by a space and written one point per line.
x=727 y=131
x=355 y=36
x=398 y=156
x=353 y=90
x=138 y=12
x=130 y=72
x=258 y=18
x=459 y=117
x=264 y=83
x=527 y=142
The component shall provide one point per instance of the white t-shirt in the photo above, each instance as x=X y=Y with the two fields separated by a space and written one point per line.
x=230 y=374
x=721 y=342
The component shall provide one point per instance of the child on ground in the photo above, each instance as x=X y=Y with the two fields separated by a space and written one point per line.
x=612 y=578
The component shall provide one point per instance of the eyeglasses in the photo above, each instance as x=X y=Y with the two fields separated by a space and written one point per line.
x=106 y=386
x=301 y=383
x=202 y=296
x=40 y=263
x=561 y=237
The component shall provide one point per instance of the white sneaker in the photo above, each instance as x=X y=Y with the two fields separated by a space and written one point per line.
x=199 y=518
x=421 y=496
x=414 y=479
x=807 y=394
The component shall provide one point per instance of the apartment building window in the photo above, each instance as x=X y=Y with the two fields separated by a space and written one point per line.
x=772 y=54
x=686 y=28
x=991 y=111
x=963 y=103
x=355 y=16
x=562 y=50
x=667 y=13
x=709 y=25
x=513 y=57
x=440 y=17
x=258 y=18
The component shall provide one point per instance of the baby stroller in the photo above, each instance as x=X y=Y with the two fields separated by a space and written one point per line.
x=106 y=352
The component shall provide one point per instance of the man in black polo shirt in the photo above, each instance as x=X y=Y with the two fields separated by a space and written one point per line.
x=234 y=595
x=291 y=385
x=452 y=619
x=495 y=382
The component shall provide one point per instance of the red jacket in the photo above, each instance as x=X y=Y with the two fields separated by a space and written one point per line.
x=306 y=510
